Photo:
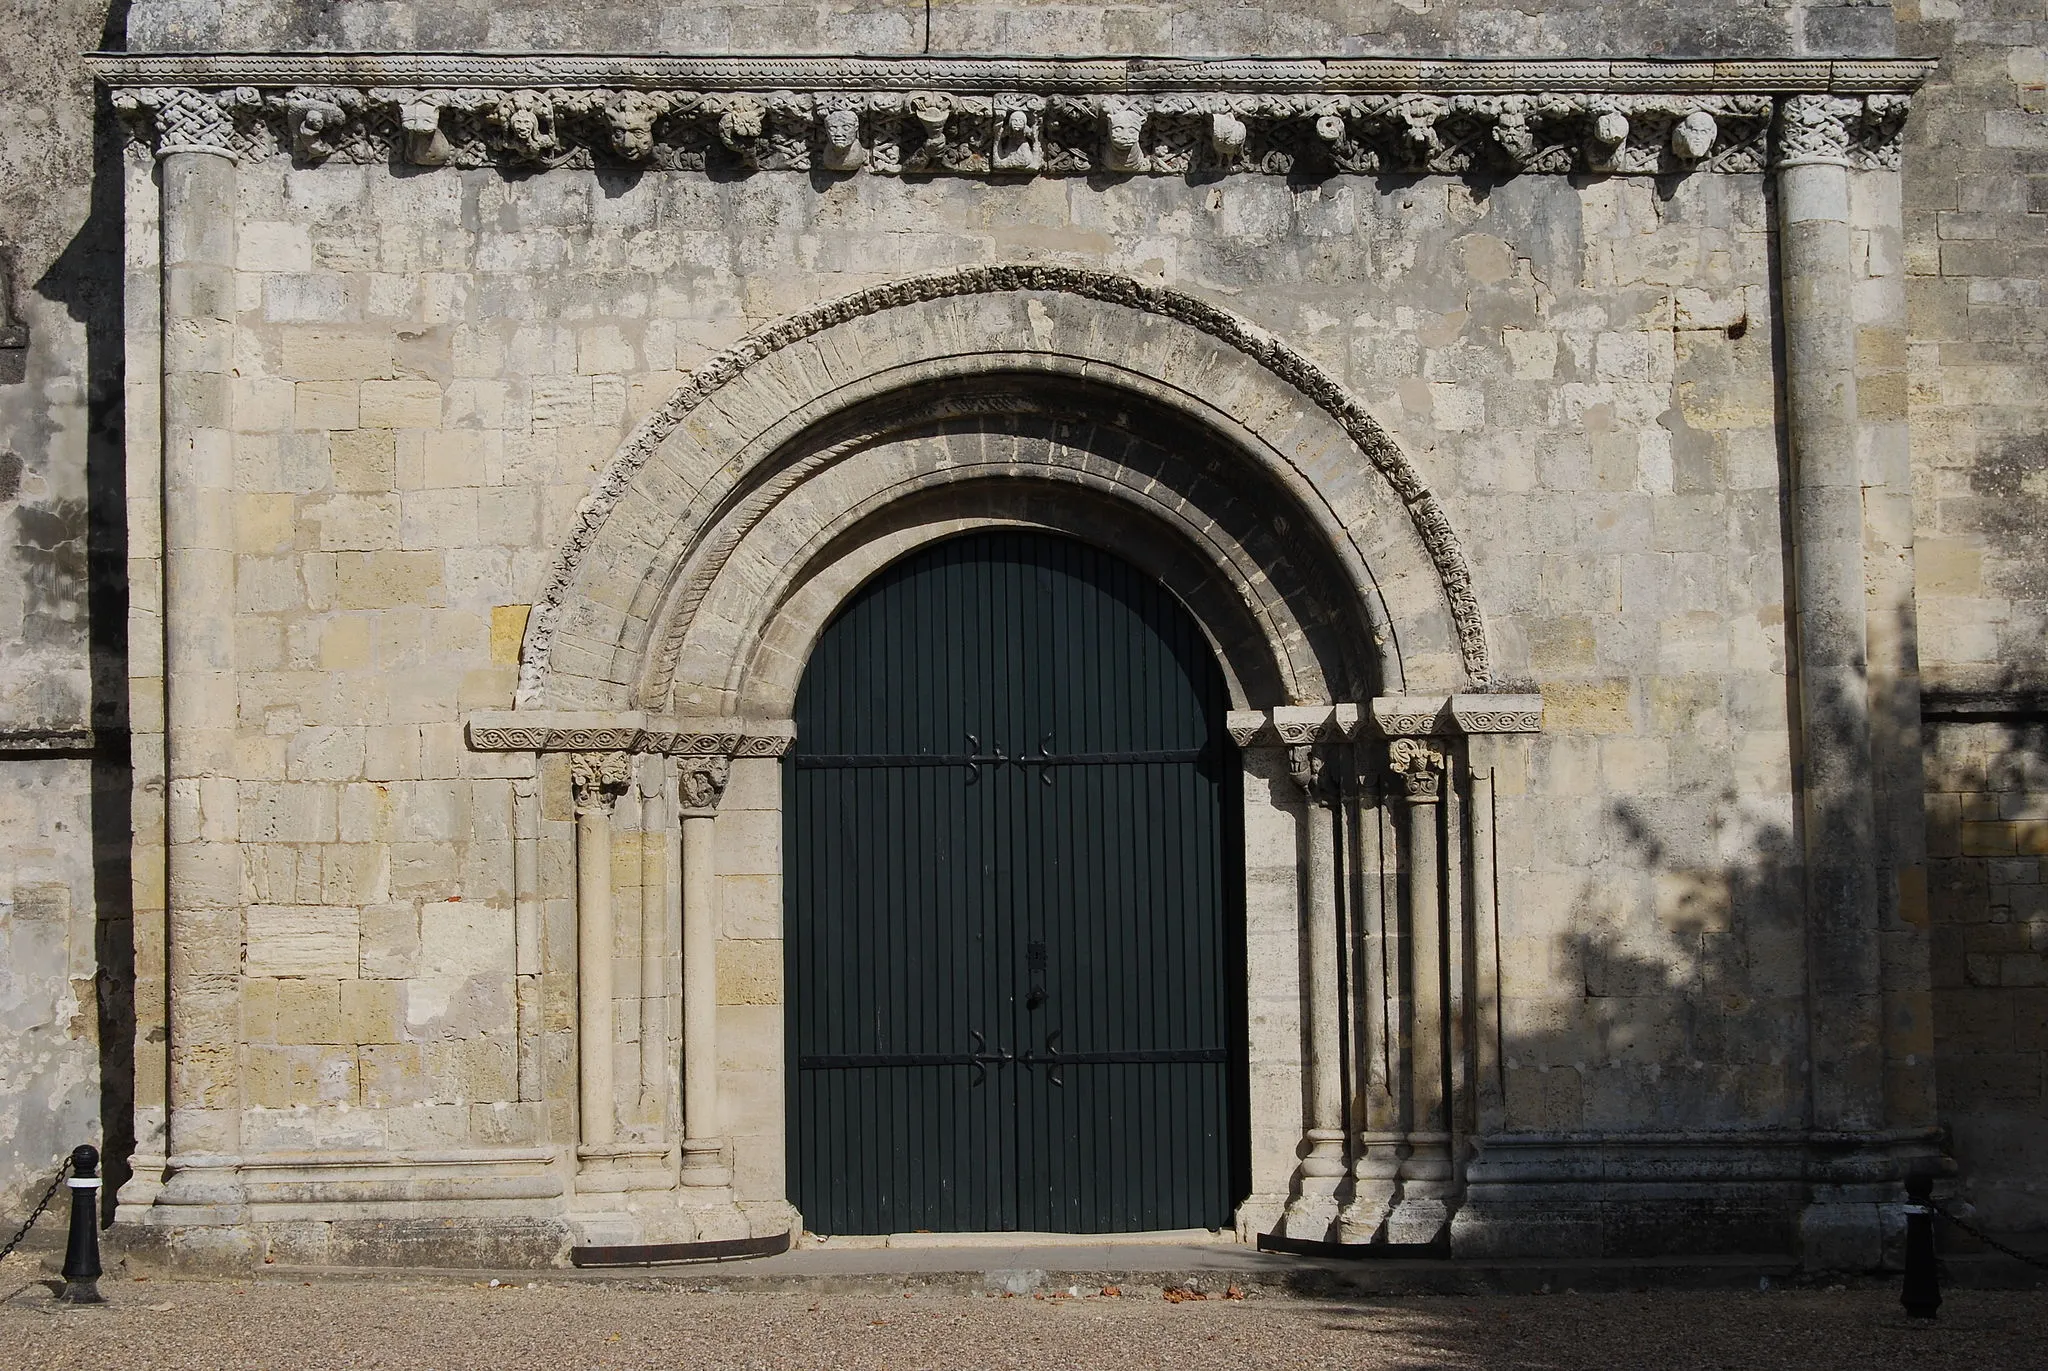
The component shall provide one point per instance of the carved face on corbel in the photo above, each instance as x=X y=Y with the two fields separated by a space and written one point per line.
x=1693 y=136
x=843 y=151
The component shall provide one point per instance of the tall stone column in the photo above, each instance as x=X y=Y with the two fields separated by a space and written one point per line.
x=1427 y=1179
x=654 y=1085
x=197 y=173
x=1313 y=1209
x=1816 y=277
x=702 y=786
x=597 y=780
x=1852 y=550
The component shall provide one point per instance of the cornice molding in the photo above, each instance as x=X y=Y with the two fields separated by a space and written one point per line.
x=47 y=742
x=1017 y=116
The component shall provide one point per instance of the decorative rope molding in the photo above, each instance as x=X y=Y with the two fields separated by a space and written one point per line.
x=1315 y=384
x=627 y=731
x=1018 y=116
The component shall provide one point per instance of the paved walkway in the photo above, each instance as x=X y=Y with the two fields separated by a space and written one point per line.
x=307 y=1322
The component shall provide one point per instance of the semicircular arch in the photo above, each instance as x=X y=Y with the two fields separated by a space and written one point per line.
x=1356 y=571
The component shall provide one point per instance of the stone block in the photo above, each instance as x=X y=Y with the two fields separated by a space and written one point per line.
x=385 y=580
x=749 y=971
x=389 y=941
x=324 y=404
x=309 y=1011
x=319 y=941
x=400 y=404
x=372 y=1012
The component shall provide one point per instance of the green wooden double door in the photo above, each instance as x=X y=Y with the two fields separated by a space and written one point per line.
x=1014 y=931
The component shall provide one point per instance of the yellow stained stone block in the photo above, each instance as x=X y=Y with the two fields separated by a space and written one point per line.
x=1990 y=839
x=749 y=971
x=1588 y=707
x=508 y=632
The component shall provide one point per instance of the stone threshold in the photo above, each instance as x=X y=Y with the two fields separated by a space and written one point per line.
x=1136 y=1271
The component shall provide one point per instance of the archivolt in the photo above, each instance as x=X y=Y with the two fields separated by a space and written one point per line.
x=1311 y=381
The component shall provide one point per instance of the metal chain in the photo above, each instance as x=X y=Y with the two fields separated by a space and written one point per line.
x=1981 y=1236
x=57 y=1180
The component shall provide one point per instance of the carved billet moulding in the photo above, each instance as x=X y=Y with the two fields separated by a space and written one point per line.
x=1019 y=117
x=627 y=732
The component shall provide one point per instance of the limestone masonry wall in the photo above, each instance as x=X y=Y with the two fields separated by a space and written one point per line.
x=430 y=370
x=1976 y=188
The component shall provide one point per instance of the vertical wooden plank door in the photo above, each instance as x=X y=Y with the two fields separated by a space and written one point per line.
x=1013 y=914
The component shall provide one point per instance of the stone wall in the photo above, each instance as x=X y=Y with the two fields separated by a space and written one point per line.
x=60 y=532
x=1977 y=237
x=1569 y=28
x=433 y=367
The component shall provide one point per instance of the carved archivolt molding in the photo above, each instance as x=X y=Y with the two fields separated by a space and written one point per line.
x=970 y=117
x=1432 y=525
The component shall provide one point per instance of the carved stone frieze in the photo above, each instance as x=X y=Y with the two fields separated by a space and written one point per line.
x=628 y=732
x=1497 y=713
x=967 y=117
x=598 y=779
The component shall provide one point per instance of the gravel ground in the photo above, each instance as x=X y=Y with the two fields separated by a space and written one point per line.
x=448 y=1325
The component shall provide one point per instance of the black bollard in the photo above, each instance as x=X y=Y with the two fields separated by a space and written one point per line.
x=1922 y=1293
x=82 y=1252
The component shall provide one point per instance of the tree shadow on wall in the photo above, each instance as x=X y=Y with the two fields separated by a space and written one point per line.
x=1689 y=1005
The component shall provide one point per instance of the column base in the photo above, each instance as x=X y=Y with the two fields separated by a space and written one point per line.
x=1374 y=1185
x=704 y=1165
x=1428 y=1191
x=1312 y=1213
x=614 y=1168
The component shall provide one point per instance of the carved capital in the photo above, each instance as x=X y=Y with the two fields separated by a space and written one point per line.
x=598 y=779
x=1419 y=765
x=1861 y=131
x=181 y=119
x=702 y=781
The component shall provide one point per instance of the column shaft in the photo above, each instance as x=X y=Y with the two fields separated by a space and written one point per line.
x=594 y=939
x=703 y=1141
x=653 y=947
x=204 y=954
x=1816 y=265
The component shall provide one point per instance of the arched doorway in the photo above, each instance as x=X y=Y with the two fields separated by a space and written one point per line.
x=1014 y=903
